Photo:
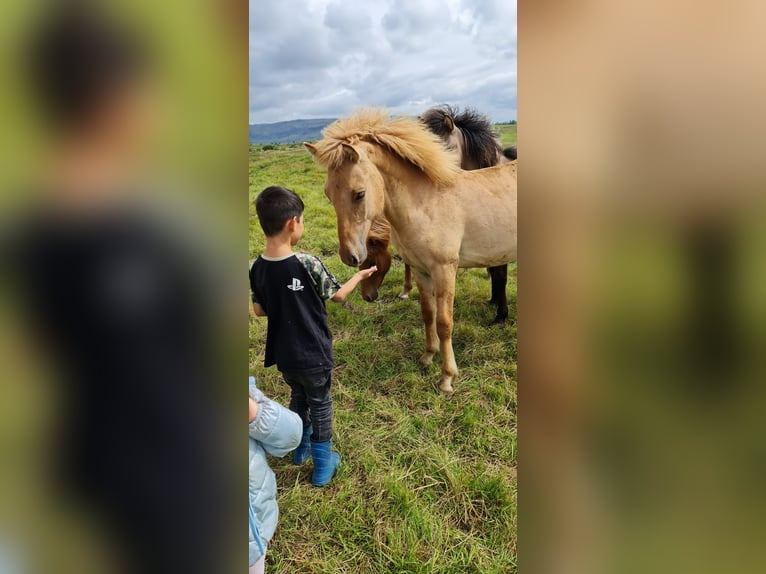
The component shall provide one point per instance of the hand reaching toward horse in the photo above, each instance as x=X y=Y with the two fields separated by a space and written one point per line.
x=365 y=273
x=351 y=284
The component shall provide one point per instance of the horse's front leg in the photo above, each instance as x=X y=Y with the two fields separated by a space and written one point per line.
x=443 y=278
x=428 y=313
x=405 y=294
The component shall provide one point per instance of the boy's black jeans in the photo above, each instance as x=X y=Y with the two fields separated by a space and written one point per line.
x=311 y=399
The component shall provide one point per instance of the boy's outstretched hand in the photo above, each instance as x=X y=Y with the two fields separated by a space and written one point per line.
x=365 y=273
x=349 y=285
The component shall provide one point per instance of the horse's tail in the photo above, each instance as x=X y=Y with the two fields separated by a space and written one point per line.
x=510 y=152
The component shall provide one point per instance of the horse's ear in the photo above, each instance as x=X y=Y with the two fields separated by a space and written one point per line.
x=351 y=152
x=449 y=123
x=312 y=148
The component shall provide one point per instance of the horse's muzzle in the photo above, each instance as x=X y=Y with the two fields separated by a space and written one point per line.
x=352 y=257
x=370 y=297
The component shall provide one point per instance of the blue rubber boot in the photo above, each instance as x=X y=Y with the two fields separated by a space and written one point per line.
x=325 y=462
x=303 y=451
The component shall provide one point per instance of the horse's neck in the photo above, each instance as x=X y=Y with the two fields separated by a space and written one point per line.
x=400 y=178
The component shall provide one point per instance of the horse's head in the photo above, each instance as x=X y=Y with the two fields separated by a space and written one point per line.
x=454 y=140
x=355 y=189
x=377 y=254
x=469 y=135
x=455 y=143
x=441 y=121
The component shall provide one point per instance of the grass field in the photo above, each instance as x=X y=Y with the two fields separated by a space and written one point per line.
x=507 y=133
x=428 y=483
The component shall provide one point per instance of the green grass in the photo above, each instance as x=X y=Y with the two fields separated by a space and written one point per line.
x=507 y=133
x=428 y=482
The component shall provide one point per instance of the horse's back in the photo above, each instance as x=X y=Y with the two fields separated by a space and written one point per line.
x=493 y=182
x=488 y=200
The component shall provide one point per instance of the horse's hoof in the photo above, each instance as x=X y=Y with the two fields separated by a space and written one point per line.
x=446 y=387
x=404 y=295
x=426 y=359
x=500 y=322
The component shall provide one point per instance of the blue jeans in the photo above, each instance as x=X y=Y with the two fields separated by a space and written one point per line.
x=310 y=398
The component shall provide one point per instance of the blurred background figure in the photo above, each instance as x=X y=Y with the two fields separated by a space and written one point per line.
x=122 y=289
x=641 y=366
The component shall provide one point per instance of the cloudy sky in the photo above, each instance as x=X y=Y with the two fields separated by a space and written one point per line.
x=323 y=58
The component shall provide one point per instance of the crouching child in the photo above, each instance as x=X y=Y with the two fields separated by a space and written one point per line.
x=274 y=430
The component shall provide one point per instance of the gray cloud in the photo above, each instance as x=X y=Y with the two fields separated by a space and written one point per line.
x=323 y=58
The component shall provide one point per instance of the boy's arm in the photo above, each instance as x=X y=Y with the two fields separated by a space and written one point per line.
x=258 y=310
x=351 y=284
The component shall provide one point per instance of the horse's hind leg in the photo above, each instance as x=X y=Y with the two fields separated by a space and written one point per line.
x=491 y=271
x=499 y=276
x=405 y=294
x=444 y=286
x=428 y=313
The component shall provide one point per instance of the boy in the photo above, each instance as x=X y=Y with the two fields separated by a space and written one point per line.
x=290 y=289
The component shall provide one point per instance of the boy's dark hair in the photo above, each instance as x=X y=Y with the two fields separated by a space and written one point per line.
x=77 y=58
x=276 y=205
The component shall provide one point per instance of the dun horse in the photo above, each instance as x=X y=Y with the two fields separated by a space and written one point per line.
x=441 y=217
x=471 y=136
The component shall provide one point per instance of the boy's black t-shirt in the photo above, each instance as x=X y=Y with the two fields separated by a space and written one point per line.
x=293 y=290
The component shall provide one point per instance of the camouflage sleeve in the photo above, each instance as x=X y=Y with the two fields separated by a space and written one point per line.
x=324 y=281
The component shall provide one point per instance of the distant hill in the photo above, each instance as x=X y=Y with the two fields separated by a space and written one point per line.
x=288 y=132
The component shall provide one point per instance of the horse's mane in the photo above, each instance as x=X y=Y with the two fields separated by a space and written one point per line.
x=379 y=230
x=436 y=119
x=405 y=137
x=481 y=143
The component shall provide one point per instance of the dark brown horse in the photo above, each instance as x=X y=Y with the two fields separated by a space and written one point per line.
x=378 y=241
x=471 y=136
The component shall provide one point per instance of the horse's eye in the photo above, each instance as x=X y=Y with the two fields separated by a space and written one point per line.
x=358 y=196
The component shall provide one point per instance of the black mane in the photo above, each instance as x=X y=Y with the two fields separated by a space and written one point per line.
x=436 y=119
x=480 y=137
x=481 y=143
